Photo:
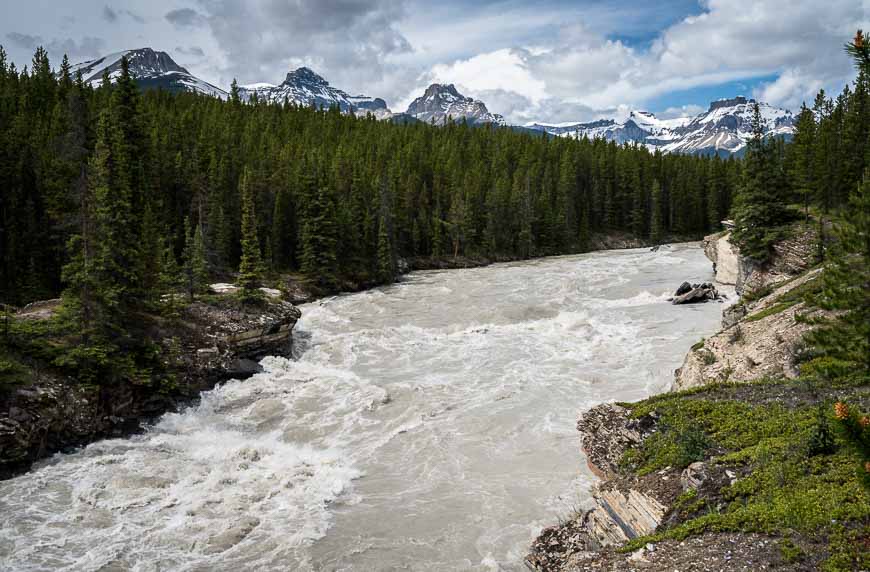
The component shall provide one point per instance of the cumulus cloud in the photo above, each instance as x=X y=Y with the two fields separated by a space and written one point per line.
x=185 y=18
x=112 y=16
x=797 y=41
x=346 y=40
x=24 y=40
x=77 y=50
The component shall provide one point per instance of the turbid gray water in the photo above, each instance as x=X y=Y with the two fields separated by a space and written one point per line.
x=429 y=425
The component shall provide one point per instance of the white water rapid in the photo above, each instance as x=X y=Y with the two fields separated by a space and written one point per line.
x=429 y=425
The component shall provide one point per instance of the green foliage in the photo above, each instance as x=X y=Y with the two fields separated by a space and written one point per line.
x=821 y=440
x=251 y=265
x=791 y=552
x=782 y=488
x=771 y=310
x=322 y=184
x=842 y=346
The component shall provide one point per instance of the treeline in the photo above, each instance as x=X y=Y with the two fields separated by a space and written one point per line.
x=818 y=171
x=337 y=197
x=823 y=176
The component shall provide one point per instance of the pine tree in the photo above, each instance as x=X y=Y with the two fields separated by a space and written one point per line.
x=802 y=148
x=195 y=267
x=844 y=345
x=760 y=208
x=656 y=224
x=319 y=239
x=171 y=276
x=251 y=266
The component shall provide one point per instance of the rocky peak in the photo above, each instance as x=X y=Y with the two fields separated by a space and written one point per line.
x=733 y=102
x=442 y=101
x=150 y=68
x=440 y=90
x=305 y=75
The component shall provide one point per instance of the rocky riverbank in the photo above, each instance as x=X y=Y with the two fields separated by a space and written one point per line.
x=729 y=475
x=208 y=343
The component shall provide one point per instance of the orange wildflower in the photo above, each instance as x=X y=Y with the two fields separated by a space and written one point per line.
x=865 y=421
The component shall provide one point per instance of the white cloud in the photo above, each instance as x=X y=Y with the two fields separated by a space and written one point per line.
x=800 y=41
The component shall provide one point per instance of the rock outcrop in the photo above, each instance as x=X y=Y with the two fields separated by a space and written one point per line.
x=762 y=334
x=791 y=256
x=725 y=257
x=210 y=344
x=760 y=339
x=626 y=507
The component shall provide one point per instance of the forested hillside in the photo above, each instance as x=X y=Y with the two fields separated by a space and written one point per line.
x=333 y=195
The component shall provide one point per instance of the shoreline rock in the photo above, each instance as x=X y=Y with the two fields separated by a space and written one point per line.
x=216 y=343
x=760 y=337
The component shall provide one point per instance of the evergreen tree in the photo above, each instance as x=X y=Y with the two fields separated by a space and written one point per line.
x=760 y=208
x=844 y=344
x=319 y=240
x=802 y=149
x=195 y=267
x=656 y=223
x=251 y=266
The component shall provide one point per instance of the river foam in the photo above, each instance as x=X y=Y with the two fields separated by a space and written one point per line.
x=424 y=426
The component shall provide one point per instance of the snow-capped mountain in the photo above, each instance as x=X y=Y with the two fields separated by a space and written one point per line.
x=304 y=87
x=442 y=101
x=723 y=129
x=151 y=70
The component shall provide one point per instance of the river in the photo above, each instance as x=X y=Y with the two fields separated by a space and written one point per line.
x=429 y=425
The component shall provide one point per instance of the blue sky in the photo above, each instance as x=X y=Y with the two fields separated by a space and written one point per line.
x=531 y=61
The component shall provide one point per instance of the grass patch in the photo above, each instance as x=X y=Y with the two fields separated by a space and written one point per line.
x=770 y=311
x=699 y=345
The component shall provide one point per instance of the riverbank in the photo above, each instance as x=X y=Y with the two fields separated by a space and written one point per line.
x=746 y=465
x=43 y=411
x=209 y=341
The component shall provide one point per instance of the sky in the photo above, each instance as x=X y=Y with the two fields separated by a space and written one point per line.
x=549 y=61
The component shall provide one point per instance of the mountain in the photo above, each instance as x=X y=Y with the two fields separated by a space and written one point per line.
x=723 y=129
x=150 y=69
x=440 y=101
x=304 y=87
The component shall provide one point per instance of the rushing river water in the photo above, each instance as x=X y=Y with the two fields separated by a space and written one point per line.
x=425 y=426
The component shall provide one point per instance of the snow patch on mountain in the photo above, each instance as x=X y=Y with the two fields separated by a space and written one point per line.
x=151 y=70
x=441 y=102
x=304 y=87
x=723 y=129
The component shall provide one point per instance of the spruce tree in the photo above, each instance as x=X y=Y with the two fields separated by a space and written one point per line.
x=802 y=160
x=760 y=208
x=251 y=265
x=319 y=240
x=195 y=261
x=656 y=224
x=844 y=344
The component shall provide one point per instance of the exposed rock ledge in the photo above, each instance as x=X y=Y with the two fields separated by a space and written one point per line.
x=791 y=256
x=217 y=342
x=625 y=507
x=761 y=337
x=762 y=334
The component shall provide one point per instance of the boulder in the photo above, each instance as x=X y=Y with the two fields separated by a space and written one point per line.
x=696 y=293
x=684 y=288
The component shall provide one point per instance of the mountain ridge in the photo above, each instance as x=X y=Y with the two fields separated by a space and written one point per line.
x=723 y=129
